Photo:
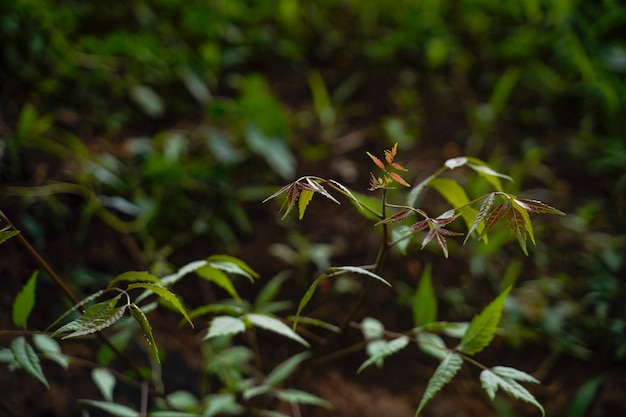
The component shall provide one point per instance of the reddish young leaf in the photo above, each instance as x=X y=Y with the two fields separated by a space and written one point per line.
x=421 y=225
x=398 y=179
x=443 y=244
x=515 y=222
x=537 y=206
x=375 y=183
x=482 y=213
x=391 y=154
x=377 y=161
x=398 y=166
x=495 y=216
x=398 y=217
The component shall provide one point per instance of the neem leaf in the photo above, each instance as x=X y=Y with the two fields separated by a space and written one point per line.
x=211 y=274
x=424 y=301
x=506 y=378
x=83 y=302
x=483 y=327
x=384 y=350
x=7 y=234
x=166 y=295
x=51 y=350
x=27 y=359
x=112 y=408
x=307 y=297
x=134 y=276
x=359 y=270
x=482 y=214
x=294 y=396
x=303 y=202
x=485 y=171
x=232 y=265
x=494 y=217
x=97 y=317
x=24 y=302
x=225 y=325
x=537 y=206
x=443 y=374
x=516 y=222
x=274 y=325
x=146 y=329
x=284 y=369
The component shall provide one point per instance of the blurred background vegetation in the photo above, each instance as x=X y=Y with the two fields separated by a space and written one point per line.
x=142 y=134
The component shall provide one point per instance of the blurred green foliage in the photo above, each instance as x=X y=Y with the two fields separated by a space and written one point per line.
x=201 y=102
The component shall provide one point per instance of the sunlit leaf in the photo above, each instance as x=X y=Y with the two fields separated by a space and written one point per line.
x=397 y=178
x=225 y=325
x=358 y=270
x=425 y=302
x=377 y=161
x=303 y=202
x=146 y=329
x=24 y=302
x=275 y=325
x=507 y=379
x=27 y=359
x=211 y=274
x=444 y=373
x=489 y=174
x=165 y=294
x=483 y=327
x=384 y=350
x=134 y=276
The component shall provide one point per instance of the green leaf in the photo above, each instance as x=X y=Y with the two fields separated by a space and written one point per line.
x=7 y=234
x=190 y=267
x=212 y=274
x=585 y=396
x=112 y=408
x=270 y=290
x=303 y=202
x=425 y=301
x=232 y=265
x=146 y=329
x=486 y=172
x=27 y=359
x=316 y=322
x=165 y=294
x=75 y=308
x=443 y=374
x=307 y=297
x=284 y=369
x=274 y=325
x=105 y=381
x=384 y=350
x=359 y=270
x=523 y=210
x=50 y=349
x=432 y=344
x=483 y=327
x=506 y=378
x=97 y=317
x=225 y=325
x=24 y=302
x=134 y=276
x=293 y=396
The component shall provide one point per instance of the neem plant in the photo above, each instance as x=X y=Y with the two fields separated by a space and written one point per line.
x=400 y=223
x=244 y=387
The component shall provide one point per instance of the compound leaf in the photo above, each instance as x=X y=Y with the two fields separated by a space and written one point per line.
x=483 y=327
x=146 y=329
x=444 y=373
x=274 y=325
x=24 y=302
x=27 y=359
x=166 y=295
x=506 y=378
